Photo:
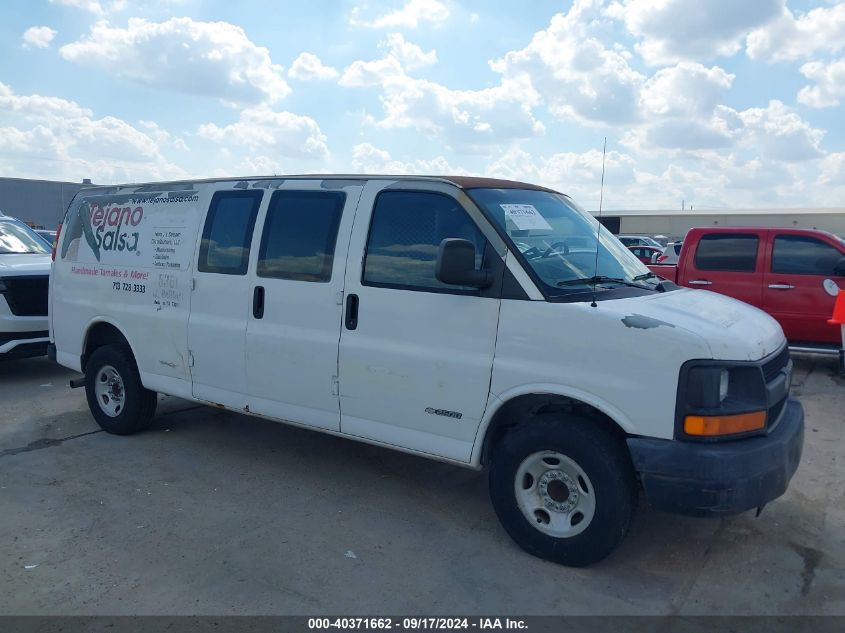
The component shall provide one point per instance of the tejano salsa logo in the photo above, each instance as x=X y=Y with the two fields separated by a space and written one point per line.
x=110 y=228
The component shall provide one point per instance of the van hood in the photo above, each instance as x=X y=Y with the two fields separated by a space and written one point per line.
x=24 y=264
x=733 y=330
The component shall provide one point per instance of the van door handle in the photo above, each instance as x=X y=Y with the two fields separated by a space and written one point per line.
x=351 y=312
x=781 y=286
x=258 y=302
x=700 y=282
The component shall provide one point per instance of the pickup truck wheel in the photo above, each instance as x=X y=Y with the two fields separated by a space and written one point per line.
x=118 y=401
x=563 y=488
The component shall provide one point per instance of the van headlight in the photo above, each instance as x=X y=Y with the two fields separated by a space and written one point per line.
x=716 y=400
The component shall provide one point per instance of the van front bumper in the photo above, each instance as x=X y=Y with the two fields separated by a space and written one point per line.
x=713 y=479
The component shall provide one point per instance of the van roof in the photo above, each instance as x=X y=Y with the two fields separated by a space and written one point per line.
x=463 y=182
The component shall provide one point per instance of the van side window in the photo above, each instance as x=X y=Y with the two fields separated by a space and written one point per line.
x=798 y=255
x=405 y=234
x=727 y=252
x=299 y=235
x=227 y=234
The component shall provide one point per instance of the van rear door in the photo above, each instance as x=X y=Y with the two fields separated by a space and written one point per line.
x=222 y=297
x=297 y=301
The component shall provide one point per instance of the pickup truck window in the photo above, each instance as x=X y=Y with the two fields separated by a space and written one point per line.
x=227 y=234
x=405 y=233
x=727 y=252
x=799 y=255
x=299 y=235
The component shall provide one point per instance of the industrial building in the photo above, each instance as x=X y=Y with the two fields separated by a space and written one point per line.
x=674 y=224
x=39 y=203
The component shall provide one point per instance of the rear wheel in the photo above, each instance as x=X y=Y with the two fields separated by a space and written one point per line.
x=563 y=488
x=118 y=401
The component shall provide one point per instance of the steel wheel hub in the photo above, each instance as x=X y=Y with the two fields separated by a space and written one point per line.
x=109 y=391
x=554 y=494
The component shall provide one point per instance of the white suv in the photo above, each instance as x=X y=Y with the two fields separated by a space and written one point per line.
x=24 y=279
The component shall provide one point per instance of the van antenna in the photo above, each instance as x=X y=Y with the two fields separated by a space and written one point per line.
x=598 y=232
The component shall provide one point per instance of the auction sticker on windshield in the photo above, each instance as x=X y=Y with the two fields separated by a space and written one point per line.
x=525 y=217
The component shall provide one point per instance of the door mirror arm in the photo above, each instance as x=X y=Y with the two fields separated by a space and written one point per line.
x=456 y=265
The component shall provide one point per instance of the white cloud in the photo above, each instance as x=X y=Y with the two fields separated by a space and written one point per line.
x=400 y=56
x=368 y=159
x=829 y=85
x=778 y=133
x=577 y=76
x=38 y=37
x=410 y=16
x=206 y=58
x=688 y=89
x=48 y=137
x=469 y=119
x=675 y=30
x=308 y=67
x=282 y=133
x=93 y=6
x=790 y=38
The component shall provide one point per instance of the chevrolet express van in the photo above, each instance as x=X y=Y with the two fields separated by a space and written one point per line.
x=445 y=317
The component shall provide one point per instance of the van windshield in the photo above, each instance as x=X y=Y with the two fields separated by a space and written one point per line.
x=557 y=239
x=18 y=239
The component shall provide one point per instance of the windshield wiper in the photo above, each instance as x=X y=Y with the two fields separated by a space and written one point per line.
x=647 y=275
x=600 y=279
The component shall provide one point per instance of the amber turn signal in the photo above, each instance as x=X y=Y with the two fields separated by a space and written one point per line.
x=724 y=424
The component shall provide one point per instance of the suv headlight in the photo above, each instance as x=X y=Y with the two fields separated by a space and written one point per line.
x=716 y=400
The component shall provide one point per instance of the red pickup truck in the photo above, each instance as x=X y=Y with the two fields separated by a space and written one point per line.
x=781 y=271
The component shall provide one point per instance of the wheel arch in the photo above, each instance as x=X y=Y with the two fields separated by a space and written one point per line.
x=101 y=331
x=507 y=410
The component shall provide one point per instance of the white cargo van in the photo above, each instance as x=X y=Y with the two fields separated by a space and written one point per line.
x=446 y=317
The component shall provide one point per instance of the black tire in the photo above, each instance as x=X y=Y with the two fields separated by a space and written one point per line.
x=139 y=403
x=604 y=458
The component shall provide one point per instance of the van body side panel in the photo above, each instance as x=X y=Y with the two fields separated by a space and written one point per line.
x=591 y=355
x=415 y=370
x=125 y=259
x=221 y=299
x=292 y=342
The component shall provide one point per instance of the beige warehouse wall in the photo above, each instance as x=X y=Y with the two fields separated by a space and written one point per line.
x=676 y=226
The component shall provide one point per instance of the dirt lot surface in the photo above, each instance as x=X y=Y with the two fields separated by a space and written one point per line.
x=212 y=512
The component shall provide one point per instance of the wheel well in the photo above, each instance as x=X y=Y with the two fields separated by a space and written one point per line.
x=515 y=411
x=98 y=335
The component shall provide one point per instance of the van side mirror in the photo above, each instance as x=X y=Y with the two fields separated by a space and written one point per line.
x=839 y=268
x=456 y=264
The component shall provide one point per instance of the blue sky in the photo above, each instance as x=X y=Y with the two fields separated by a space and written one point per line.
x=718 y=103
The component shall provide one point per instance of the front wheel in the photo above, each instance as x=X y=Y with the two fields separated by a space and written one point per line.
x=118 y=401
x=563 y=488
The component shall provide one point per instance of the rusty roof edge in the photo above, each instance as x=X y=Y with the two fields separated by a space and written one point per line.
x=462 y=182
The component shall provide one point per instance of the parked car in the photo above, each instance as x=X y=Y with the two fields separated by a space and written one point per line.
x=445 y=317
x=780 y=271
x=670 y=253
x=24 y=273
x=646 y=254
x=47 y=236
x=638 y=240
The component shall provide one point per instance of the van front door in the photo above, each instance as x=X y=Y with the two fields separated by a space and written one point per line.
x=220 y=301
x=297 y=289
x=415 y=354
